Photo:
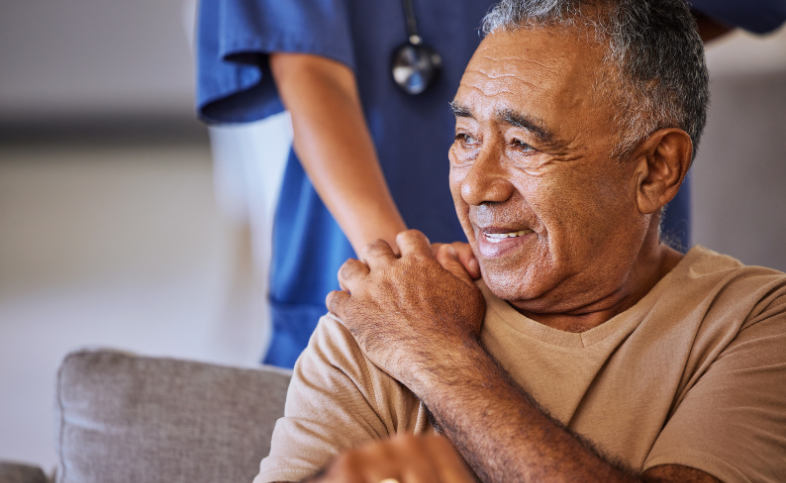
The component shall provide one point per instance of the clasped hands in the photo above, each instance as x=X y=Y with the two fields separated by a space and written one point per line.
x=411 y=314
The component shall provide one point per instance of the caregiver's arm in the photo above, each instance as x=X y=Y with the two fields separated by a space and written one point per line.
x=334 y=145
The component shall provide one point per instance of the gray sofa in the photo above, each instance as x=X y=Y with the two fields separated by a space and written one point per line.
x=130 y=419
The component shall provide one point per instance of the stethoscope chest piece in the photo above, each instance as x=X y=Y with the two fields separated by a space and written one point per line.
x=415 y=66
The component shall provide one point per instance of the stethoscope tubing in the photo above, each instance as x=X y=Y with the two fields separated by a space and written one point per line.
x=412 y=21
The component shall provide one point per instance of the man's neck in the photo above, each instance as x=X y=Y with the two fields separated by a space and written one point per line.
x=645 y=274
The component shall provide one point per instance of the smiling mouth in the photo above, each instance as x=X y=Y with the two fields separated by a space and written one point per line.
x=500 y=237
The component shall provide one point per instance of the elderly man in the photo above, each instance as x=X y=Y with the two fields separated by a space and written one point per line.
x=589 y=351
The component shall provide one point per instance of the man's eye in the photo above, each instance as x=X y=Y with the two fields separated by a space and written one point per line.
x=465 y=138
x=523 y=146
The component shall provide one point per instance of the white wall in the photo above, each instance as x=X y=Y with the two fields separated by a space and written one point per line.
x=739 y=176
x=94 y=57
x=741 y=54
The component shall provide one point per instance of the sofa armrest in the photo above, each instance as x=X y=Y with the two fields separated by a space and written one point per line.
x=21 y=473
x=128 y=419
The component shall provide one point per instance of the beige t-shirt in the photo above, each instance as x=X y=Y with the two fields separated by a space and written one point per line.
x=693 y=374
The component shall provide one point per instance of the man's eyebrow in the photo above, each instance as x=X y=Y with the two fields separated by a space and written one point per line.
x=458 y=110
x=524 y=122
x=511 y=117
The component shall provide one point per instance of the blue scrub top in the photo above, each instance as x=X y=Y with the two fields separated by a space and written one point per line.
x=757 y=16
x=412 y=134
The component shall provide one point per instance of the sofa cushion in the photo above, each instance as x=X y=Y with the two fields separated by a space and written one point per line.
x=126 y=418
x=21 y=473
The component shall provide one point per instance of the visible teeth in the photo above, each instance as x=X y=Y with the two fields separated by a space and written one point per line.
x=498 y=237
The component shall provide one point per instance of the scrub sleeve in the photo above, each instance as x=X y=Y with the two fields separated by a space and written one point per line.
x=412 y=134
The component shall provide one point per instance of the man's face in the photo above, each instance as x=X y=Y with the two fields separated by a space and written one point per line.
x=550 y=215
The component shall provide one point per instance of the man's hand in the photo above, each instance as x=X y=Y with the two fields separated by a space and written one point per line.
x=405 y=458
x=410 y=311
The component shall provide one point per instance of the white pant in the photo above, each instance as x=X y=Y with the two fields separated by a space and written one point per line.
x=248 y=163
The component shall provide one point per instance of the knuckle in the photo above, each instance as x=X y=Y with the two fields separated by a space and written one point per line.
x=349 y=268
x=408 y=235
x=345 y=270
x=416 y=235
x=331 y=299
x=415 y=241
x=376 y=246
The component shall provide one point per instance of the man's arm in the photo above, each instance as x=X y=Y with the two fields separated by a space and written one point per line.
x=432 y=347
x=505 y=436
x=335 y=147
x=433 y=459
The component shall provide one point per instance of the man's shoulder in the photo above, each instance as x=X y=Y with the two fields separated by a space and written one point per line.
x=734 y=333
x=337 y=400
x=332 y=346
x=701 y=261
x=334 y=373
x=333 y=351
x=331 y=332
x=746 y=289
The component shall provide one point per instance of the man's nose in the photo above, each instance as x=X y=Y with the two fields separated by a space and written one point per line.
x=487 y=180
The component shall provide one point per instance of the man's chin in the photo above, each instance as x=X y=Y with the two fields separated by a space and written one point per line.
x=507 y=286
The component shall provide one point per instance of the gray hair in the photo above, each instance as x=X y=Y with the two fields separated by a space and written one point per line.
x=653 y=47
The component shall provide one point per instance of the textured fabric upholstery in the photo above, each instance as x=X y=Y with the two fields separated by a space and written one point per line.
x=124 y=418
x=20 y=473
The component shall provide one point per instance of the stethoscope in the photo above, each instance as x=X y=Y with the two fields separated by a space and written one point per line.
x=415 y=66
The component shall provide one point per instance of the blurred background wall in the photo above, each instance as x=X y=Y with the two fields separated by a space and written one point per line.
x=739 y=175
x=115 y=231
x=77 y=58
x=110 y=229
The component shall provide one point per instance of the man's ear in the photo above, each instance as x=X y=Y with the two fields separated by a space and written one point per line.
x=663 y=161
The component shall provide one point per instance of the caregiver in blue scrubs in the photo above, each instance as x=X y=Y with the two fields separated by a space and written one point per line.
x=368 y=159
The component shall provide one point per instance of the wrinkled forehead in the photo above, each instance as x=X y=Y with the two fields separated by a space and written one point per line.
x=550 y=68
